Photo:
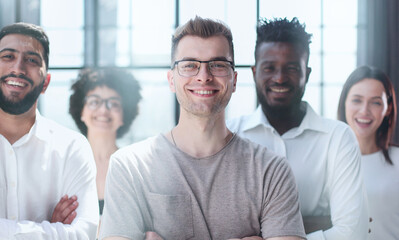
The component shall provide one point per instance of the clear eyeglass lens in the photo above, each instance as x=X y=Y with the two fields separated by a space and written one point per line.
x=113 y=104
x=191 y=68
x=94 y=102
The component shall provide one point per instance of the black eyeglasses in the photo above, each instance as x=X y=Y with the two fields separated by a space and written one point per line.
x=94 y=102
x=190 y=68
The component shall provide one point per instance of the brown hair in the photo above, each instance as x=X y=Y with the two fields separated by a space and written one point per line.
x=204 y=28
x=387 y=127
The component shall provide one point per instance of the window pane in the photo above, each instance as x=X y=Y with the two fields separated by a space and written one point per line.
x=151 y=45
x=340 y=39
x=153 y=26
x=347 y=13
x=64 y=30
x=189 y=9
x=66 y=47
x=332 y=94
x=307 y=11
x=338 y=67
x=62 y=14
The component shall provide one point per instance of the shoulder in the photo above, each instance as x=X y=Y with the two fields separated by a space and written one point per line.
x=57 y=132
x=394 y=154
x=335 y=129
x=60 y=143
x=394 y=149
x=139 y=151
x=62 y=139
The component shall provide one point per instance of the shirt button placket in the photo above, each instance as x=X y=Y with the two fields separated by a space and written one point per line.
x=12 y=200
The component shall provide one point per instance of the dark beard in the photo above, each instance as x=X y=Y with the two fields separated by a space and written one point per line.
x=22 y=106
x=279 y=111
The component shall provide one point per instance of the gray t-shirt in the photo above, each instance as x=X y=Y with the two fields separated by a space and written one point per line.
x=243 y=190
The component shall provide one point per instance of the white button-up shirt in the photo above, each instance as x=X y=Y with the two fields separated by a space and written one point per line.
x=35 y=172
x=325 y=159
x=382 y=183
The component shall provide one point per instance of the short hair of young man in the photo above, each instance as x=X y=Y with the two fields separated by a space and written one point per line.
x=204 y=28
x=31 y=30
x=119 y=80
x=283 y=30
x=387 y=127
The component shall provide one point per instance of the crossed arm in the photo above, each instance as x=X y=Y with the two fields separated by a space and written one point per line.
x=60 y=224
x=64 y=211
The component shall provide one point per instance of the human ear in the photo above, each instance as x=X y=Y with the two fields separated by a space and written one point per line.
x=171 y=82
x=46 y=82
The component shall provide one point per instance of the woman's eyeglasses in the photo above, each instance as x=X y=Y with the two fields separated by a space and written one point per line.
x=94 y=102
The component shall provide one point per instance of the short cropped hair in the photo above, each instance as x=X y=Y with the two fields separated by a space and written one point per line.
x=204 y=28
x=283 y=30
x=119 y=80
x=386 y=130
x=31 y=30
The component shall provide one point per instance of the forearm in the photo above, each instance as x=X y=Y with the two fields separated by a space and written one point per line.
x=45 y=230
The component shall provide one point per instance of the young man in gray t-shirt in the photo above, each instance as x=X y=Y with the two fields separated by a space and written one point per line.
x=200 y=181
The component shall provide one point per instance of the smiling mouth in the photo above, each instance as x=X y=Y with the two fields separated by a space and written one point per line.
x=204 y=92
x=102 y=119
x=15 y=83
x=279 y=89
x=364 y=121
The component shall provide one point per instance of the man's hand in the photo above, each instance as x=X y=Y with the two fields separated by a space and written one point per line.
x=65 y=210
x=152 y=236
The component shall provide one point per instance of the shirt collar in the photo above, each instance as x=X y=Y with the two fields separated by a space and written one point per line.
x=43 y=128
x=35 y=131
x=311 y=121
x=257 y=118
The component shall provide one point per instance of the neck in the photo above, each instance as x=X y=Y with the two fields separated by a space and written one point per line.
x=13 y=127
x=367 y=146
x=200 y=136
x=103 y=145
x=285 y=119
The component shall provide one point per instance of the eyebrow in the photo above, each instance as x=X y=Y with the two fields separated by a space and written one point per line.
x=16 y=51
x=8 y=50
x=273 y=61
x=221 y=58
x=98 y=96
x=360 y=96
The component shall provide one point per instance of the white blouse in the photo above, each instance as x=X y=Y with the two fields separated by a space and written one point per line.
x=382 y=183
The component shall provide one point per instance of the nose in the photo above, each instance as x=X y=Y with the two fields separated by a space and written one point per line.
x=103 y=106
x=18 y=66
x=364 y=108
x=279 y=76
x=204 y=74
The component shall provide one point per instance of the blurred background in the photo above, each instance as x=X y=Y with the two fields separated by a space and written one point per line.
x=136 y=35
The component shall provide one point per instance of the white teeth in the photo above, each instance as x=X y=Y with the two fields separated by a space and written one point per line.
x=102 y=119
x=15 y=83
x=203 y=92
x=280 y=90
x=363 y=120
